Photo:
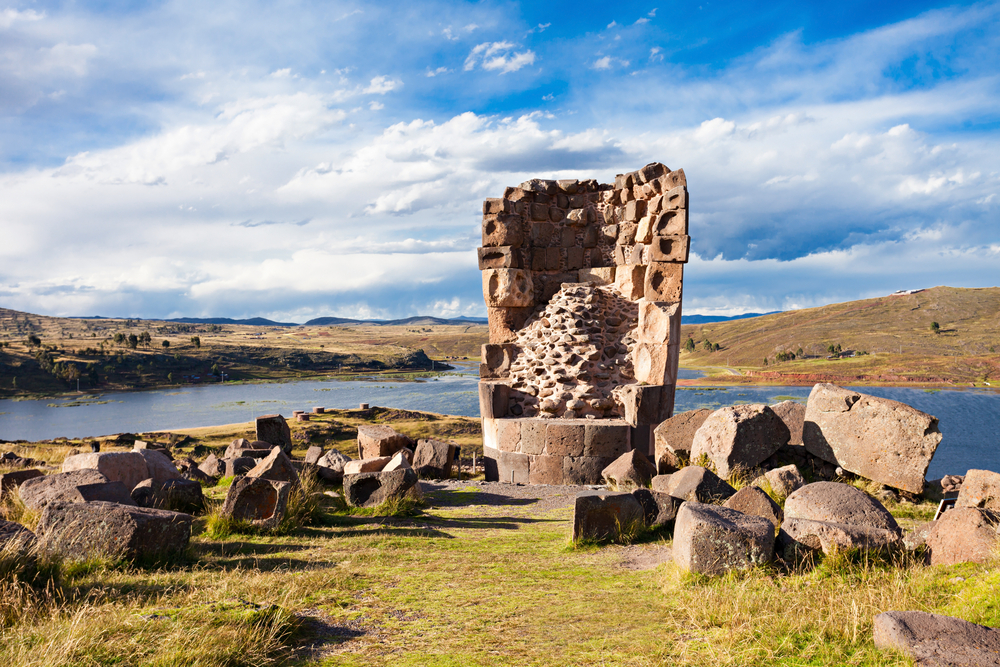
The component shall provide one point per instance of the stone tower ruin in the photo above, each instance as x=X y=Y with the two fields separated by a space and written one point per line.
x=583 y=285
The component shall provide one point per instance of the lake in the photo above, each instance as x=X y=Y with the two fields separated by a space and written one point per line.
x=969 y=419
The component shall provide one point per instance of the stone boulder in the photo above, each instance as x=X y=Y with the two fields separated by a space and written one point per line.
x=158 y=465
x=239 y=466
x=260 y=502
x=658 y=508
x=631 y=470
x=433 y=459
x=213 y=467
x=694 y=483
x=277 y=467
x=878 y=439
x=38 y=492
x=371 y=489
x=740 y=436
x=798 y=535
x=963 y=535
x=606 y=515
x=10 y=481
x=783 y=481
x=400 y=459
x=980 y=488
x=110 y=530
x=235 y=446
x=713 y=540
x=108 y=492
x=751 y=500
x=376 y=441
x=179 y=495
x=833 y=502
x=14 y=536
x=366 y=465
x=129 y=468
x=313 y=455
x=932 y=640
x=330 y=467
x=673 y=439
x=273 y=429
x=793 y=414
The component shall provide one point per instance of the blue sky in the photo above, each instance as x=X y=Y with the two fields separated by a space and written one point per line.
x=294 y=160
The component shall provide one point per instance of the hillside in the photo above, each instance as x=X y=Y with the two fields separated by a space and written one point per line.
x=892 y=337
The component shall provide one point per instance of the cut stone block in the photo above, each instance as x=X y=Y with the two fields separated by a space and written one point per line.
x=496 y=361
x=508 y=288
x=600 y=275
x=603 y=515
x=629 y=471
x=669 y=248
x=401 y=459
x=366 y=465
x=501 y=230
x=277 y=467
x=273 y=429
x=659 y=323
x=371 y=489
x=509 y=435
x=655 y=363
x=584 y=469
x=61 y=487
x=834 y=502
x=659 y=508
x=513 y=468
x=565 y=437
x=663 y=282
x=506 y=322
x=753 y=501
x=671 y=223
x=606 y=438
x=313 y=455
x=501 y=257
x=129 y=468
x=178 y=495
x=709 y=539
x=158 y=466
x=694 y=483
x=375 y=441
x=676 y=198
x=644 y=404
x=740 y=436
x=673 y=439
x=108 y=492
x=239 y=466
x=545 y=470
x=932 y=640
x=493 y=399
x=433 y=459
x=261 y=502
x=881 y=440
x=629 y=281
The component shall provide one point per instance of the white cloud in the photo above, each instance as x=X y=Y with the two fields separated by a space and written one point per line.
x=435 y=72
x=375 y=106
x=607 y=62
x=9 y=16
x=641 y=21
x=498 y=56
x=381 y=85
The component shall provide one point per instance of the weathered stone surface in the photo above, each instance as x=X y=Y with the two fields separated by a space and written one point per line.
x=831 y=537
x=366 y=465
x=129 y=468
x=433 y=459
x=663 y=282
x=99 y=529
x=500 y=257
x=753 y=501
x=496 y=361
x=882 y=440
x=673 y=439
x=14 y=536
x=401 y=459
x=213 y=466
x=645 y=404
x=629 y=280
x=605 y=515
x=375 y=441
x=273 y=429
x=38 y=492
x=565 y=437
x=659 y=509
x=963 y=535
x=629 y=471
x=740 y=436
x=493 y=399
x=598 y=275
x=793 y=414
x=261 y=502
x=696 y=484
x=609 y=438
x=370 y=489
x=109 y=492
x=785 y=480
x=239 y=466
x=713 y=540
x=10 y=481
x=932 y=640
x=235 y=446
x=179 y=495
x=659 y=323
x=508 y=288
x=670 y=248
x=981 y=488
x=655 y=363
x=584 y=469
x=313 y=455
x=277 y=466
x=834 y=502
x=506 y=322
x=513 y=468
x=330 y=467
x=544 y=469
x=158 y=466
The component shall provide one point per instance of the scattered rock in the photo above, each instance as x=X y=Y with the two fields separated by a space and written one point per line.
x=739 y=436
x=129 y=468
x=631 y=470
x=878 y=439
x=793 y=414
x=710 y=539
x=785 y=480
x=331 y=466
x=376 y=441
x=832 y=537
x=694 y=483
x=179 y=495
x=659 y=509
x=366 y=465
x=916 y=538
x=239 y=466
x=834 y=502
x=963 y=535
x=751 y=500
x=213 y=467
x=273 y=429
x=38 y=492
x=371 y=489
x=158 y=466
x=108 y=492
x=606 y=515
x=23 y=539
x=9 y=481
x=980 y=488
x=433 y=459
x=314 y=454
x=100 y=529
x=932 y=640
x=261 y=502
x=277 y=466
x=673 y=439
x=400 y=459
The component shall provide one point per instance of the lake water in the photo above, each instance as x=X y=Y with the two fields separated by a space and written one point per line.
x=969 y=419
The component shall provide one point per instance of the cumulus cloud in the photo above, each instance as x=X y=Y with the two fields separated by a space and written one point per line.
x=498 y=56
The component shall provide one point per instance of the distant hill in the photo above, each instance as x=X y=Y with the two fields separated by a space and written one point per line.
x=409 y=321
x=707 y=319
x=253 y=321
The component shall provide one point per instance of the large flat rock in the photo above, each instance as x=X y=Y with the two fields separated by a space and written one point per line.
x=876 y=438
x=932 y=640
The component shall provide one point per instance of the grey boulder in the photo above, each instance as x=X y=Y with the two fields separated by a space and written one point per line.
x=739 y=437
x=709 y=539
x=932 y=640
x=606 y=515
x=371 y=489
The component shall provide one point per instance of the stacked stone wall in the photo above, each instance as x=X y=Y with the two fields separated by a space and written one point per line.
x=583 y=284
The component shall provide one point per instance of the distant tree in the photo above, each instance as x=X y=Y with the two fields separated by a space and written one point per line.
x=831 y=348
x=34 y=341
x=196 y=341
x=119 y=338
x=13 y=383
x=145 y=339
x=133 y=341
x=170 y=378
x=765 y=361
x=838 y=349
x=215 y=370
x=935 y=327
x=689 y=344
x=165 y=344
x=707 y=345
x=715 y=347
x=798 y=352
